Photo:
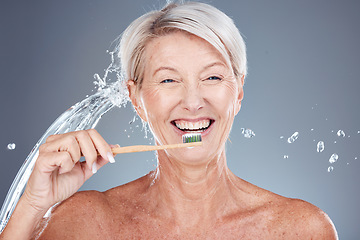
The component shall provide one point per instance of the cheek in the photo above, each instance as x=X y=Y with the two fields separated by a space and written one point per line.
x=156 y=102
x=223 y=97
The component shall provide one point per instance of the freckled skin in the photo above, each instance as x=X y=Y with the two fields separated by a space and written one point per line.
x=129 y=212
x=192 y=194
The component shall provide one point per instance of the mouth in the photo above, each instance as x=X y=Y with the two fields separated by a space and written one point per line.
x=193 y=126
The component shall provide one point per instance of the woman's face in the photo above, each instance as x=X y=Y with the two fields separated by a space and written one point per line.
x=187 y=87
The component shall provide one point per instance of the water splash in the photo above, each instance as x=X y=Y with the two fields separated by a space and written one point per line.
x=330 y=169
x=83 y=115
x=333 y=158
x=320 y=146
x=293 y=137
x=341 y=133
x=248 y=133
x=11 y=146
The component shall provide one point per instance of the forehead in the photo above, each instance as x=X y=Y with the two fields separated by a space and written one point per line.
x=180 y=49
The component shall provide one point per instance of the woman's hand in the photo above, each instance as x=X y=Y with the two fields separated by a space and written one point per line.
x=58 y=172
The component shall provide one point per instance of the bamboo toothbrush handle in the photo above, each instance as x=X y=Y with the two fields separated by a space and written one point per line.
x=144 y=148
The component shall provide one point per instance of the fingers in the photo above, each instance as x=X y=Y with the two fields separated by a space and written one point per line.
x=61 y=160
x=88 y=149
x=89 y=143
x=103 y=147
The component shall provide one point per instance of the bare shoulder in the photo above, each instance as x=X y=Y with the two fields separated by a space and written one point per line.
x=78 y=214
x=302 y=220
x=91 y=214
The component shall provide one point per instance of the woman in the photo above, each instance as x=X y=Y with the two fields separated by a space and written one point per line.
x=185 y=67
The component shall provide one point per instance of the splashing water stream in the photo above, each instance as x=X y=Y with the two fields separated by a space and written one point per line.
x=83 y=115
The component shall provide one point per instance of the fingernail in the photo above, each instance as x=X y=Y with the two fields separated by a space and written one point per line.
x=94 y=168
x=110 y=157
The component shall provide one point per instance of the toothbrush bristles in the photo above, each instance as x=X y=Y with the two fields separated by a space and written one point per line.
x=191 y=137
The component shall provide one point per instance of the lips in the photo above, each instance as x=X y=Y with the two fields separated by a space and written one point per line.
x=193 y=125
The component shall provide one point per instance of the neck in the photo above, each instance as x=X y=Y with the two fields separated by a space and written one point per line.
x=183 y=189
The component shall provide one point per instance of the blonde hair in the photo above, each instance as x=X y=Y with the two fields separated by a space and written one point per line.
x=199 y=19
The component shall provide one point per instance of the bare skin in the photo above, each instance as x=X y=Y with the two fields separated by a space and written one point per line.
x=138 y=211
x=192 y=194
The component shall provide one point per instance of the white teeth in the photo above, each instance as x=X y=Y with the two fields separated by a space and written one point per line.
x=183 y=125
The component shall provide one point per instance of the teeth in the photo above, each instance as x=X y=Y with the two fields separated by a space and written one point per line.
x=184 y=125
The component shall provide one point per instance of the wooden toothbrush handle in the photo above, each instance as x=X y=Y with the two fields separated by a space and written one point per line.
x=144 y=148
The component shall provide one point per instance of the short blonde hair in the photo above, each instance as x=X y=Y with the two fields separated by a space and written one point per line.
x=199 y=19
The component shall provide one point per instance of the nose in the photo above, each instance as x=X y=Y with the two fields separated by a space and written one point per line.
x=193 y=100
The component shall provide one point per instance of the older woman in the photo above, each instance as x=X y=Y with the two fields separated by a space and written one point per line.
x=185 y=67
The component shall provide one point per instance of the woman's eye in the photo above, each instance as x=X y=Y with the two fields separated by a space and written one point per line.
x=213 y=78
x=167 y=81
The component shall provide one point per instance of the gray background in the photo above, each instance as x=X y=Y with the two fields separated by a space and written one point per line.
x=303 y=75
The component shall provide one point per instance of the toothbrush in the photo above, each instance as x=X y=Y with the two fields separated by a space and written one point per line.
x=189 y=140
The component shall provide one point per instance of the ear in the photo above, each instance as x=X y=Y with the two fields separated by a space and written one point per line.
x=240 y=95
x=135 y=100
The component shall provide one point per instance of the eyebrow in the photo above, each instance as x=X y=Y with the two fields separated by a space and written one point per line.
x=164 y=68
x=213 y=64
x=174 y=70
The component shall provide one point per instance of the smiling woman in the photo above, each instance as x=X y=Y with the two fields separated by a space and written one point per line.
x=185 y=67
x=187 y=87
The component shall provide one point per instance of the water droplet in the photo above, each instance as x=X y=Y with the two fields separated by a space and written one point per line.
x=281 y=137
x=341 y=133
x=334 y=157
x=133 y=120
x=242 y=130
x=332 y=131
x=312 y=129
x=330 y=169
x=355 y=158
x=137 y=126
x=320 y=146
x=286 y=156
x=293 y=137
x=347 y=163
x=11 y=146
x=128 y=136
x=335 y=142
x=125 y=130
x=249 y=133
x=358 y=132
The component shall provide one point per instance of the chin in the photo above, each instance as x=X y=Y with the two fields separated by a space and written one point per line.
x=192 y=156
